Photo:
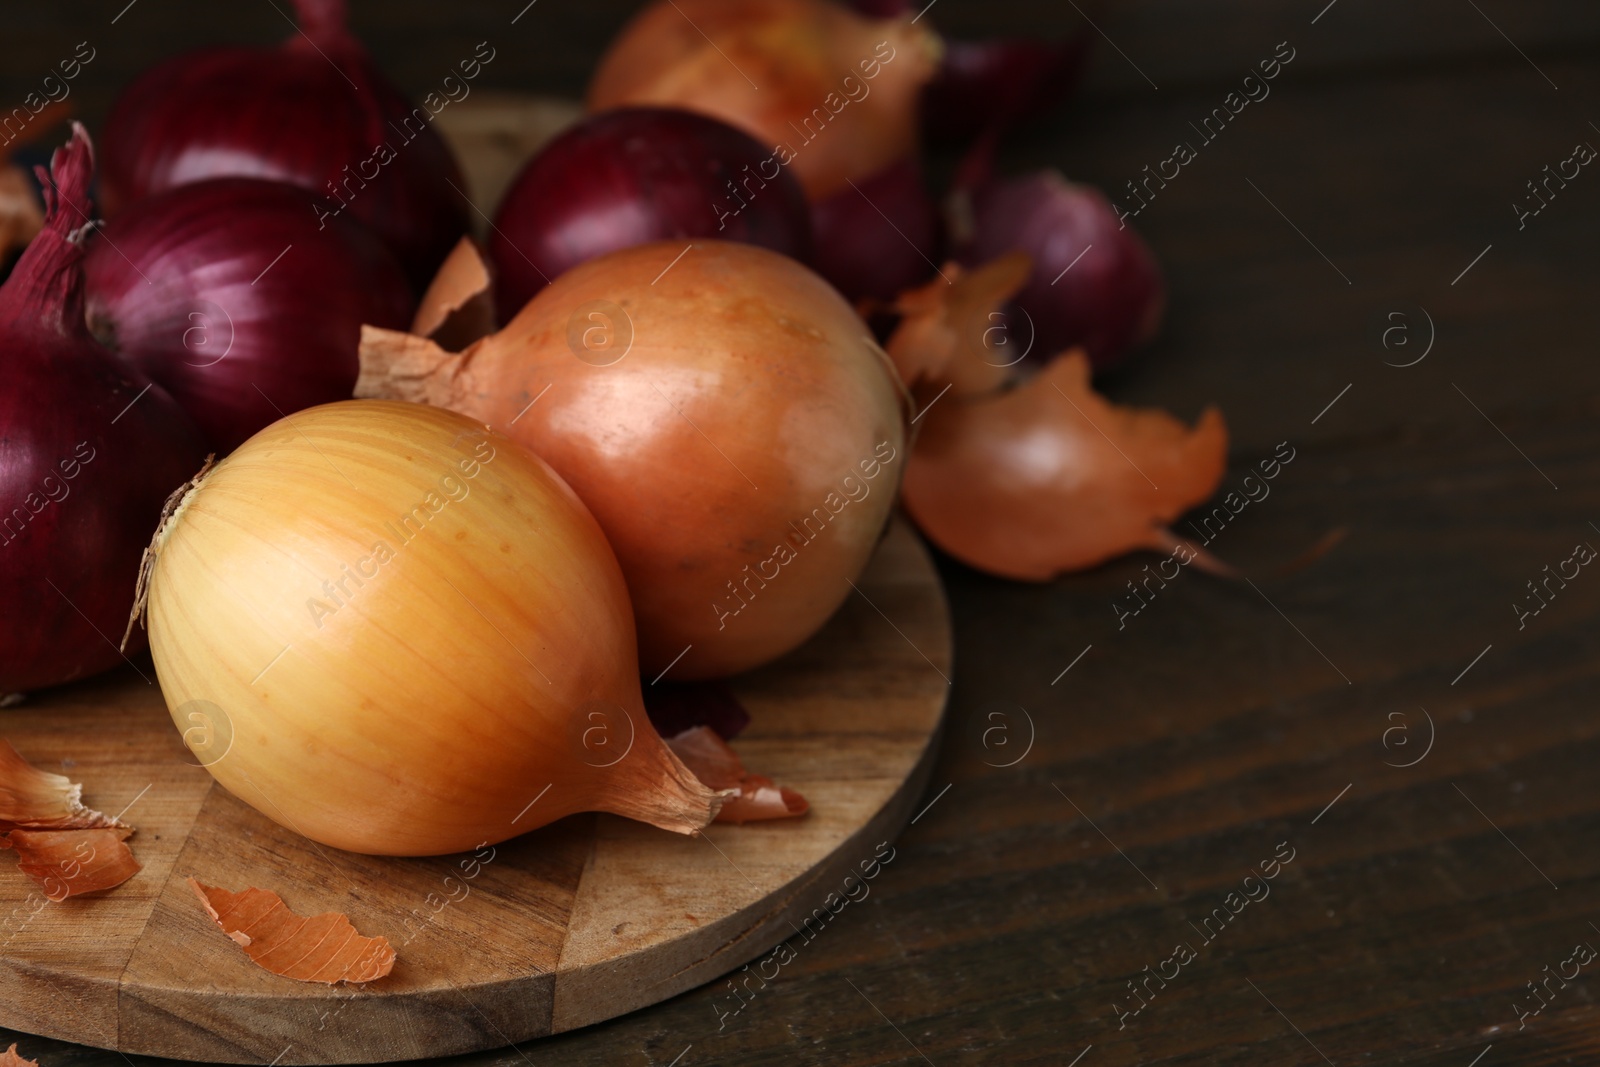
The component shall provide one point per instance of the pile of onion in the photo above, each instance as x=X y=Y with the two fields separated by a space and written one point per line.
x=832 y=93
x=232 y=296
x=422 y=643
x=721 y=410
x=90 y=449
x=635 y=175
x=314 y=112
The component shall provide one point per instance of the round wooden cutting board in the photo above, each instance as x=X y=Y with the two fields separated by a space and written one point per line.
x=580 y=921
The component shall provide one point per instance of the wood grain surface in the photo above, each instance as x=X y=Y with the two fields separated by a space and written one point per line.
x=1224 y=719
x=586 y=919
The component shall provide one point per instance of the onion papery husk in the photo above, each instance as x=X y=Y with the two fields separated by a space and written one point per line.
x=12 y=1058
x=469 y=680
x=1027 y=472
x=719 y=408
x=951 y=332
x=323 y=948
x=771 y=66
x=1048 y=477
x=42 y=800
x=458 y=307
x=69 y=863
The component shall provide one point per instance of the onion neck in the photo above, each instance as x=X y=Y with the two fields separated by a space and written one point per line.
x=661 y=791
x=45 y=291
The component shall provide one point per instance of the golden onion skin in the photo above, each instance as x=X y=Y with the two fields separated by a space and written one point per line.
x=722 y=411
x=412 y=701
x=834 y=93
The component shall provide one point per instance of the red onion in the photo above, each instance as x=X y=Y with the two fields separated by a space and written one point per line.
x=634 y=175
x=89 y=452
x=993 y=84
x=1094 y=281
x=313 y=112
x=877 y=239
x=233 y=297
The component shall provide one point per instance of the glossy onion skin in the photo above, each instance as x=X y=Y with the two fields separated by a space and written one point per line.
x=419 y=709
x=289 y=114
x=89 y=451
x=189 y=287
x=634 y=175
x=769 y=66
x=748 y=395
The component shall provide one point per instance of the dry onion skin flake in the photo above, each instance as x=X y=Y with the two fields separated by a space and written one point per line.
x=407 y=637
x=65 y=847
x=11 y=1058
x=324 y=948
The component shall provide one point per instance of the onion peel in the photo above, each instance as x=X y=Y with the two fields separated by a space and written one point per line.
x=11 y=1058
x=718 y=766
x=324 y=948
x=458 y=307
x=39 y=800
x=760 y=799
x=61 y=844
x=69 y=863
x=401 y=366
x=942 y=336
x=1050 y=477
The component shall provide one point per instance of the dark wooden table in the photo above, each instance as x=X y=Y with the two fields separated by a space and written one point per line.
x=1371 y=192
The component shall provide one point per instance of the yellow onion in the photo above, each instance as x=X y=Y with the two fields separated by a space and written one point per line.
x=394 y=631
x=833 y=92
x=722 y=411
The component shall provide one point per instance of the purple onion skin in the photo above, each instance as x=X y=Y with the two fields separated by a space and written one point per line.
x=89 y=451
x=995 y=84
x=288 y=114
x=634 y=175
x=878 y=239
x=189 y=287
x=1111 y=299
